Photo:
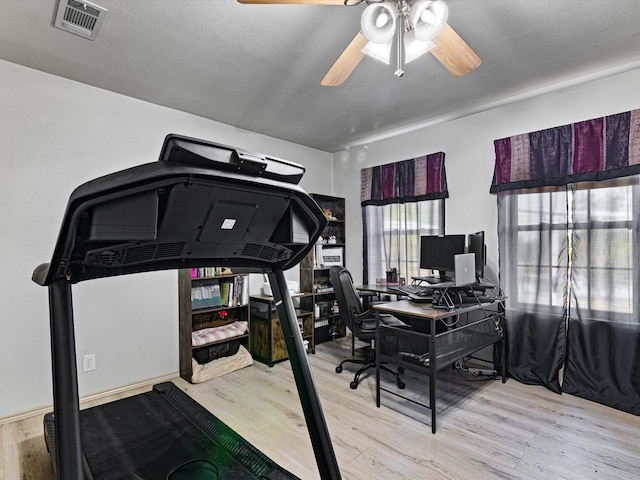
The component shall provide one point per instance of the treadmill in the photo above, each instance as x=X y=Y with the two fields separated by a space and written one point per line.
x=201 y=204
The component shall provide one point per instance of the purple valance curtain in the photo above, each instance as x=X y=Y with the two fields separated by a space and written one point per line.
x=597 y=149
x=413 y=180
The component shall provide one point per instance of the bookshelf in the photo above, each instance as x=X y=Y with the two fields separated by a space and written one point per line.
x=209 y=298
x=314 y=271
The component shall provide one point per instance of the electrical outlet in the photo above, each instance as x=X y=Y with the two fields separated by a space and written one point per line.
x=88 y=362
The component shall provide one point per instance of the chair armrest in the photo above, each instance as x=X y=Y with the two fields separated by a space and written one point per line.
x=391 y=321
x=385 y=318
x=358 y=318
x=365 y=293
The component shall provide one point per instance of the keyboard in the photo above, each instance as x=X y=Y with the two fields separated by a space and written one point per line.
x=478 y=299
x=413 y=290
x=427 y=279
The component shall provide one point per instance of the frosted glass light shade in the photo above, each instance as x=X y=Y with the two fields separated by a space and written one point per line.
x=379 y=51
x=428 y=18
x=414 y=48
x=378 y=22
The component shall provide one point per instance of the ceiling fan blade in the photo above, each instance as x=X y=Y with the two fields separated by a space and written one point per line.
x=346 y=63
x=452 y=52
x=293 y=2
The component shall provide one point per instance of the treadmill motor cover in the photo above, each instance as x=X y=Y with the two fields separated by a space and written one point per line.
x=200 y=204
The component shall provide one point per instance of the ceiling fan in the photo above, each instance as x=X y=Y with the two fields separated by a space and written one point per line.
x=414 y=27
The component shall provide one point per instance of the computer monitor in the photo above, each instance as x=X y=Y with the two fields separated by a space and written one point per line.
x=476 y=245
x=438 y=252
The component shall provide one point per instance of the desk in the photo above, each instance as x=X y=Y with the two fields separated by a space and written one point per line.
x=378 y=290
x=436 y=350
x=389 y=290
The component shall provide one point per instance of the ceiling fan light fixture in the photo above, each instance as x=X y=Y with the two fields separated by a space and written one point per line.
x=414 y=48
x=379 y=51
x=419 y=27
x=378 y=22
x=428 y=18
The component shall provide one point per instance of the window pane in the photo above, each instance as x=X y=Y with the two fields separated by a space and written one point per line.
x=559 y=283
x=611 y=248
x=559 y=254
x=611 y=290
x=559 y=208
x=533 y=208
x=533 y=248
x=529 y=280
x=611 y=204
x=542 y=286
x=603 y=269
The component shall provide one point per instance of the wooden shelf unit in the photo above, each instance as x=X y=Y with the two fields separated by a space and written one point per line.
x=314 y=275
x=192 y=319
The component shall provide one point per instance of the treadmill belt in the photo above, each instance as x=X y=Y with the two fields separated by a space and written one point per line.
x=165 y=434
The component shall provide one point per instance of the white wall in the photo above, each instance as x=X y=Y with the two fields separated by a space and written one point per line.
x=469 y=154
x=55 y=135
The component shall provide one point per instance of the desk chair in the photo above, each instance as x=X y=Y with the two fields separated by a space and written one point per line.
x=361 y=322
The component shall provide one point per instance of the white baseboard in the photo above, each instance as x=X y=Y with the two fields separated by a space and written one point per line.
x=41 y=411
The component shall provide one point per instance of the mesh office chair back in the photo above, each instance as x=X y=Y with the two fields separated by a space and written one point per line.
x=349 y=303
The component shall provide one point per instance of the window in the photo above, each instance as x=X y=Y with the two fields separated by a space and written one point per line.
x=576 y=243
x=392 y=236
x=539 y=243
x=569 y=257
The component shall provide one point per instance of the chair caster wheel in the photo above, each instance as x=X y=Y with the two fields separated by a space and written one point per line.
x=338 y=369
x=401 y=384
x=353 y=385
x=400 y=369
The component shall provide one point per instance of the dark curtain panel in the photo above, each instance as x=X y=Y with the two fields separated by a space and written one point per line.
x=603 y=341
x=532 y=275
x=602 y=363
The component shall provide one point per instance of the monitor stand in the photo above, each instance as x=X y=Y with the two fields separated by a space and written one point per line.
x=432 y=280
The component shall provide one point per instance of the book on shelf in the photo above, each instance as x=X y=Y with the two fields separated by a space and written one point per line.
x=224 y=293
x=243 y=291
x=209 y=291
x=205 y=295
x=234 y=292
x=204 y=272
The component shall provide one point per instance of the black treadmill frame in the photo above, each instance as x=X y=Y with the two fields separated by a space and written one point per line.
x=184 y=163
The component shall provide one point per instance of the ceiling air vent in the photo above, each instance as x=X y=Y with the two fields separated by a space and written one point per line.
x=80 y=17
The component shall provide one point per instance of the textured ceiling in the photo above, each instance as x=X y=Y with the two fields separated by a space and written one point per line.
x=258 y=67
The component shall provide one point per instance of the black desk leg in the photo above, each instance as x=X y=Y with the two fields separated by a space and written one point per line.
x=318 y=431
x=504 y=355
x=377 y=340
x=66 y=405
x=432 y=375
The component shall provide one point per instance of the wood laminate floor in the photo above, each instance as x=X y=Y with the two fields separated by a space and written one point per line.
x=486 y=430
